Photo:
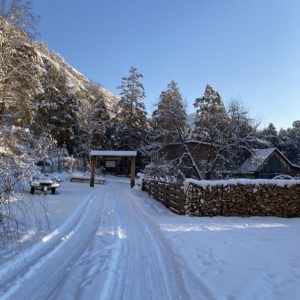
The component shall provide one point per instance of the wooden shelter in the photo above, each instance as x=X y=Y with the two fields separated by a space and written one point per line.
x=267 y=163
x=117 y=154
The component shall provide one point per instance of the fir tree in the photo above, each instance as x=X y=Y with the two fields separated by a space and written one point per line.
x=211 y=117
x=55 y=108
x=169 y=119
x=130 y=120
x=289 y=142
x=270 y=134
x=169 y=149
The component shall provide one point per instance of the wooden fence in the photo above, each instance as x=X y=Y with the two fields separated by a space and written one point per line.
x=169 y=194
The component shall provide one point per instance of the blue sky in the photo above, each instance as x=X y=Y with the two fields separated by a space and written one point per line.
x=243 y=48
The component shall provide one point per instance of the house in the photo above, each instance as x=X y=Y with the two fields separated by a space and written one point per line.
x=263 y=163
x=188 y=156
x=267 y=163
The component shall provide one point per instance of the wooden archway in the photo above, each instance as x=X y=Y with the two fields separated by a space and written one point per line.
x=130 y=154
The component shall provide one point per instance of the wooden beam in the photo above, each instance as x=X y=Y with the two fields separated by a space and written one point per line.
x=132 y=180
x=93 y=161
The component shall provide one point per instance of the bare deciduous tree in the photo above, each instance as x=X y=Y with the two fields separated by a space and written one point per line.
x=19 y=13
x=18 y=209
x=92 y=122
x=18 y=75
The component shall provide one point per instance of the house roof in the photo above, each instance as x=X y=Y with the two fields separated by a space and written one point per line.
x=256 y=160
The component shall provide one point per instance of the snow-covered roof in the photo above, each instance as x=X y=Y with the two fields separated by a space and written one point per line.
x=112 y=153
x=256 y=160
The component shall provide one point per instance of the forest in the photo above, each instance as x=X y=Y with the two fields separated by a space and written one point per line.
x=49 y=112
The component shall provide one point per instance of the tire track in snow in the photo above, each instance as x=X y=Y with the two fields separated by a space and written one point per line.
x=111 y=247
x=144 y=265
x=86 y=279
x=35 y=273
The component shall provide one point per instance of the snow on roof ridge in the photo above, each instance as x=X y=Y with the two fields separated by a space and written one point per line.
x=265 y=151
x=256 y=159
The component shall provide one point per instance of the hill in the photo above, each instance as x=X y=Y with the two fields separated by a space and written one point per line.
x=40 y=91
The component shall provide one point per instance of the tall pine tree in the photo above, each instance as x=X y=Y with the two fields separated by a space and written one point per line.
x=169 y=119
x=212 y=127
x=55 y=108
x=130 y=121
x=211 y=117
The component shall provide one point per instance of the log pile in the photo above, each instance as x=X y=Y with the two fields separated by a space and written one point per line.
x=254 y=198
x=266 y=199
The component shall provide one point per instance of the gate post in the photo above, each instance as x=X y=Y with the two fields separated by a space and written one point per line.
x=132 y=167
x=92 y=181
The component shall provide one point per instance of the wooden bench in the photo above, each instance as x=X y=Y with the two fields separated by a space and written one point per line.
x=87 y=180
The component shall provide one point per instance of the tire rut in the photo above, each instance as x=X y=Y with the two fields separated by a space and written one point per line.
x=47 y=261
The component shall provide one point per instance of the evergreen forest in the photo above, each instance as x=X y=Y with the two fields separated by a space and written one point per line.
x=51 y=113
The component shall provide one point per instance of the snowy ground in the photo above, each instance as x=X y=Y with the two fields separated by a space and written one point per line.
x=113 y=242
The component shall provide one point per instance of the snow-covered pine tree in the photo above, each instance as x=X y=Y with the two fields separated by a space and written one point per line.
x=55 y=108
x=289 y=142
x=210 y=126
x=168 y=132
x=130 y=119
x=169 y=119
x=270 y=135
x=211 y=117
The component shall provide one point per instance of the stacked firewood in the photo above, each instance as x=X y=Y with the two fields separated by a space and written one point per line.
x=263 y=199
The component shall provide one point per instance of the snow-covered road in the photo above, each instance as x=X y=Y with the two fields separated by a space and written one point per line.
x=109 y=248
x=114 y=242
